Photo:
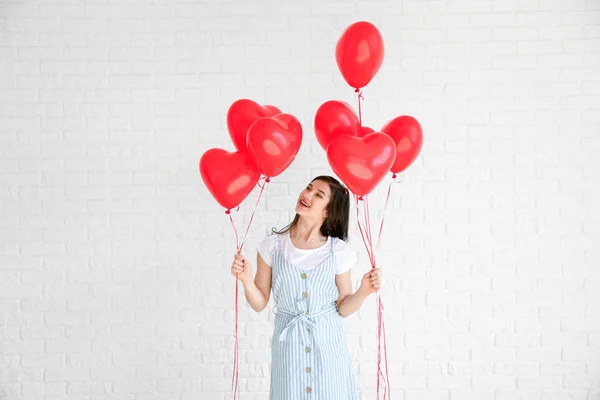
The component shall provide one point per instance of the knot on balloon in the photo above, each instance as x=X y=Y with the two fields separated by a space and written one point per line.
x=360 y=198
x=267 y=180
x=394 y=175
x=357 y=90
x=228 y=212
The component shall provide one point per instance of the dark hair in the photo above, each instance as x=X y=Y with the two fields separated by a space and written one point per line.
x=338 y=211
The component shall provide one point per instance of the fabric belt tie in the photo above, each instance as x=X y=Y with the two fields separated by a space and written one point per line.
x=303 y=318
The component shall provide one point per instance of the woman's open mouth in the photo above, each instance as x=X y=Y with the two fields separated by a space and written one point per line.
x=304 y=204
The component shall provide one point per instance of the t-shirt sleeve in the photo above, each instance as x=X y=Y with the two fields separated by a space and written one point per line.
x=266 y=246
x=345 y=257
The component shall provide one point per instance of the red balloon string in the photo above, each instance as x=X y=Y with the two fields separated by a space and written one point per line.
x=379 y=372
x=381 y=326
x=365 y=228
x=235 y=383
x=240 y=245
x=368 y=225
x=387 y=369
x=382 y=355
x=262 y=189
x=360 y=97
x=365 y=232
x=228 y=212
x=235 y=379
x=387 y=200
x=362 y=231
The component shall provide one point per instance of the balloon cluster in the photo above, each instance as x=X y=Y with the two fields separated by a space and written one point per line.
x=267 y=142
x=361 y=157
x=358 y=155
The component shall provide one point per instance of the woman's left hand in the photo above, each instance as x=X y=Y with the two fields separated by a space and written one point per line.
x=371 y=281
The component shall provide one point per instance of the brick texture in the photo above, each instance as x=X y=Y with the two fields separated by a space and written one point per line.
x=114 y=258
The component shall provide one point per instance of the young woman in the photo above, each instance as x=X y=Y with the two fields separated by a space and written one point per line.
x=307 y=268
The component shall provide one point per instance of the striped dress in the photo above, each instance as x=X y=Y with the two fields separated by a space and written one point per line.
x=310 y=357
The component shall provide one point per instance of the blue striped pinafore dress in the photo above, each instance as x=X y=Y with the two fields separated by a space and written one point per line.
x=310 y=359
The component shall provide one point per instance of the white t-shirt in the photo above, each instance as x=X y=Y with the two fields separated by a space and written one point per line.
x=345 y=257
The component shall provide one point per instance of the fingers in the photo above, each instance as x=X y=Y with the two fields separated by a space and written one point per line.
x=237 y=269
x=238 y=272
x=374 y=274
x=238 y=264
x=239 y=260
x=375 y=278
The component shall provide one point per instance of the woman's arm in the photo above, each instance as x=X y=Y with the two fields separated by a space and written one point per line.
x=258 y=291
x=349 y=303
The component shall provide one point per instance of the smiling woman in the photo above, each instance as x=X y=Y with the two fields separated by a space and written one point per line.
x=306 y=266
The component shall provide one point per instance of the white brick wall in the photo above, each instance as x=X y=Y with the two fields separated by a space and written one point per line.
x=114 y=259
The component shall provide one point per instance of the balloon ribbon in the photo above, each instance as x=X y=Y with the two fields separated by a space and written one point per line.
x=235 y=379
x=383 y=380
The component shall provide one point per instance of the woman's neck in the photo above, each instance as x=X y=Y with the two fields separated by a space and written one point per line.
x=307 y=232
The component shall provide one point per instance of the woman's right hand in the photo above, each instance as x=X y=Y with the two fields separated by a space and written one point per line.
x=241 y=268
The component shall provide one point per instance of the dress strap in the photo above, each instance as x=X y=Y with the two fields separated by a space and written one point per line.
x=278 y=241
x=331 y=239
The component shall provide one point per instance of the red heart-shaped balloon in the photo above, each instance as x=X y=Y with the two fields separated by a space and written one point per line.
x=335 y=118
x=229 y=177
x=272 y=110
x=361 y=162
x=365 y=130
x=241 y=115
x=408 y=136
x=274 y=143
x=359 y=53
x=294 y=126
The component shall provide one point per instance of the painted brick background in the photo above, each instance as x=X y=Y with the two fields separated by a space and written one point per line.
x=114 y=259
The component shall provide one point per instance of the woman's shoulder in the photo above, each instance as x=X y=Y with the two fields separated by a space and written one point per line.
x=267 y=246
x=269 y=242
x=339 y=244
x=271 y=238
x=345 y=256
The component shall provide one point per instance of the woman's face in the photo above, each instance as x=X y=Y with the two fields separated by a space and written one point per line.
x=312 y=202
